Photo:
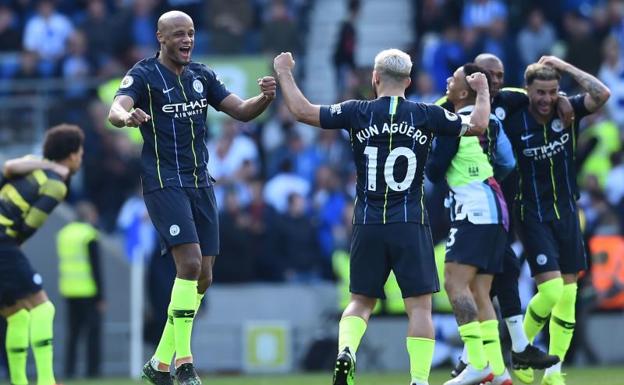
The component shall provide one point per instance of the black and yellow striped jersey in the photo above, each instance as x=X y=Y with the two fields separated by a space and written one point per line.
x=26 y=202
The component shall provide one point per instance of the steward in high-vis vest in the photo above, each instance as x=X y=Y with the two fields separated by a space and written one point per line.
x=80 y=282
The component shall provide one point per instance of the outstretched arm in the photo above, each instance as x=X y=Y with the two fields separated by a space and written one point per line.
x=597 y=92
x=246 y=110
x=299 y=106
x=28 y=163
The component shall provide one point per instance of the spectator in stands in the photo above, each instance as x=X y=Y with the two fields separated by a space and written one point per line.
x=614 y=187
x=332 y=149
x=612 y=74
x=229 y=23
x=46 y=34
x=279 y=32
x=583 y=47
x=233 y=160
x=297 y=243
x=304 y=158
x=262 y=219
x=143 y=28
x=329 y=202
x=98 y=27
x=536 y=38
x=76 y=69
x=282 y=185
x=424 y=89
x=480 y=13
x=345 y=46
x=235 y=262
x=10 y=34
x=447 y=55
x=500 y=43
x=274 y=131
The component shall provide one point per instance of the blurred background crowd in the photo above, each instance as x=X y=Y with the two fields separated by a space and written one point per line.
x=285 y=190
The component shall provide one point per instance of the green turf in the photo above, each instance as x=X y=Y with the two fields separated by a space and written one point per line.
x=582 y=376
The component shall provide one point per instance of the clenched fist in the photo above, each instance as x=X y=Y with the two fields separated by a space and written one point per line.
x=136 y=118
x=268 y=87
x=477 y=81
x=283 y=62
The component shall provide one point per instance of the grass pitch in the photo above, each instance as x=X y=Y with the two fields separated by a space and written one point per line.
x=575 y=376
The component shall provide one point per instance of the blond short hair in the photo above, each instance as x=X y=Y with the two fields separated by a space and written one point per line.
x=394 y=64
x=538 y=71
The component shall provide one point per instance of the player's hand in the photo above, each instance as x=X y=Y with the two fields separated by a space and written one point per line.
x=477 y=81
x=565 y=111
x=268 y=87
x=283 y=62
x=136 y=118
x=554 y=62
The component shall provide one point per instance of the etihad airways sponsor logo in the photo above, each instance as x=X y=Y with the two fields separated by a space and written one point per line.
x=547 y=150
x=183 y=110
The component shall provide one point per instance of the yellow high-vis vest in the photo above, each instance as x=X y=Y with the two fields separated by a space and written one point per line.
x=76 y=276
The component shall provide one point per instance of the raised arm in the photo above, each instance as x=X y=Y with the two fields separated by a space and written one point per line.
x=28 y=164
x=480 y=116
x=121 y=116
x=246 y=110
x=597 y=92
x=299 y=106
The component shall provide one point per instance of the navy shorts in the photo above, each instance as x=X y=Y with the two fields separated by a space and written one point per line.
x=404 y=248
x=481 y=246
x=185 y=215
x=18 y=279
x=555 y=245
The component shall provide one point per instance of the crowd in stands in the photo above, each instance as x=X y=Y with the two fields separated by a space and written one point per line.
x=285 y=190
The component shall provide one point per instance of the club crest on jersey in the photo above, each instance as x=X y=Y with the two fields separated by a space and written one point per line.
x=335 y=109
x=500 y=113
x=556 y=125
x=450 y=116
x=126 y=81
x=542 y=259
x=174 y=230
x=198 y=86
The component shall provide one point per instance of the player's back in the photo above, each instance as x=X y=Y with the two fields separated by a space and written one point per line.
x=391 y=139
x=25 y=202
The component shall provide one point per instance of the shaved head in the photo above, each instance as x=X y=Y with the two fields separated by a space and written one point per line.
x=494 y=66
x=168 y=19
x=176 y=35
x=487 y=57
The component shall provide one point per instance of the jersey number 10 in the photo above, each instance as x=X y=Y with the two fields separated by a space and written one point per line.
x=371 y=154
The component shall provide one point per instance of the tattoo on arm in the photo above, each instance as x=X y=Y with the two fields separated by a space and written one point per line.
x=598 y=92
x=465 y=309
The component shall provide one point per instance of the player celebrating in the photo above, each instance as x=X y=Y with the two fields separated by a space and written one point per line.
x=548 y=217
x=29 y=192
x=478 y=216
x=170 y=95
x=390 y=139
x=506 y=101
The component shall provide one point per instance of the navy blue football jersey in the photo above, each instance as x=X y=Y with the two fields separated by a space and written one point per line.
x=391 y=139
x=174 y=150
x=545 y=155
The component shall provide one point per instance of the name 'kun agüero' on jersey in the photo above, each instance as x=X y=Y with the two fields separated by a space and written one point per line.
x=402 y=128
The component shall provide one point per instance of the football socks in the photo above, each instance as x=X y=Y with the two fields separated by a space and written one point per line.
x=562 y=322
x=540 y=306
x=183 y=304
x=350 y=332
x=471 y=335
x=492 y=346
x=420 y=352
x=17 y=345
x=41 y=334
